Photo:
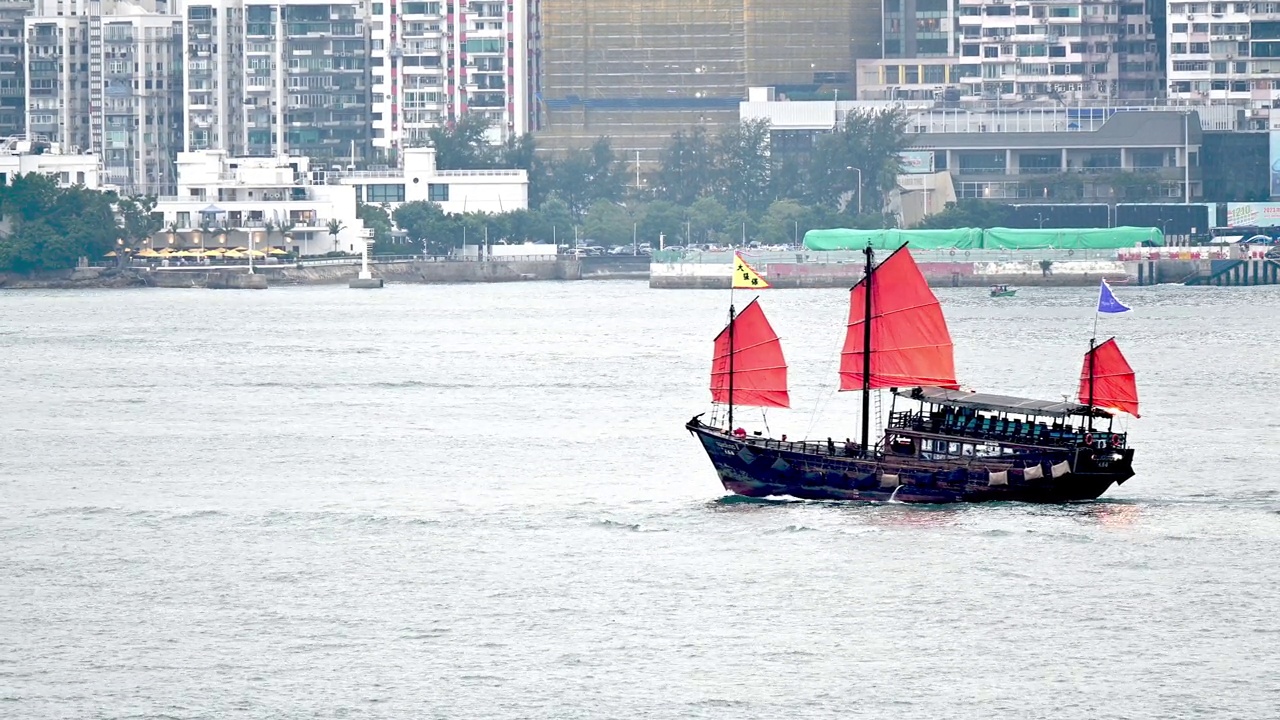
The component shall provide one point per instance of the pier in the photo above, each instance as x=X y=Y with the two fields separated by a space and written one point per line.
x=1241 y=272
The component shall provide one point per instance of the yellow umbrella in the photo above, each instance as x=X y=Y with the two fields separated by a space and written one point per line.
x=233 y=254
x=186 y=253
x=110 y=254
x=277 y=251
x=212 y=253
x=149 y=253
x=257 y=253
x=240 y=249
x=166 y=251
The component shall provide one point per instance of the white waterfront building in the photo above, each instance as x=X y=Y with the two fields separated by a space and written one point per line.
x=20 y=155
x=456 y=191
x=227 y=201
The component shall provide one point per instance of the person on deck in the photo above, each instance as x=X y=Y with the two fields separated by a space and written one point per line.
x=739 y=432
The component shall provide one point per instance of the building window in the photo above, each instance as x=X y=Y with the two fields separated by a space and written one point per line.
x=377 y=8
x=384 y=193
x=438 y=192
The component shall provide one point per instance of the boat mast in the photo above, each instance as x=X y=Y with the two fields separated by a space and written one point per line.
x=866 y=359
x=1092 y=355
x=732 y=322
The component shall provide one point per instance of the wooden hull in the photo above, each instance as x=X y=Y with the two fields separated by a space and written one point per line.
x=758 y=467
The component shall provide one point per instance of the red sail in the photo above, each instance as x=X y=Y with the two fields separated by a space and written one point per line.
x=1114 y=386
x=759 y=370
x=910 y=344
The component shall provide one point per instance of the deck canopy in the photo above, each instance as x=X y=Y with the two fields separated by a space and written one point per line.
x=997 y=403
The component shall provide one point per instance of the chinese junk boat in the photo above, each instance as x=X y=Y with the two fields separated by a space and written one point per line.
x=943 y=444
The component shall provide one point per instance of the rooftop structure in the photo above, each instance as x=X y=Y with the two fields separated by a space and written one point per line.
x=20 y=155
x=456 y=191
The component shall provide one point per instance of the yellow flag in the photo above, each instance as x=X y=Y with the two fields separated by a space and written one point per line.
x=745 y=276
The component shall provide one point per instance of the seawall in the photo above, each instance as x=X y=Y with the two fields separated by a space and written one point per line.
x=416 y=271
x=946 y=274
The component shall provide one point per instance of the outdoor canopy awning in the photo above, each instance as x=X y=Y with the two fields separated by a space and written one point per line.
x=997 y=403
x=211 y=210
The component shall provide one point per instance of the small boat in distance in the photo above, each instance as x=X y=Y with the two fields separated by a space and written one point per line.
x=1003 y=291
x=941 y=444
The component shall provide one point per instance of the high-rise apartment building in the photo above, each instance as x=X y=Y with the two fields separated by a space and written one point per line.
x=1073 y=50
x=12 y=73
x=434 y=61
x=921 y=28
x=105 y=76
x=214 y=77
x=306 y=88
x=1223 y=51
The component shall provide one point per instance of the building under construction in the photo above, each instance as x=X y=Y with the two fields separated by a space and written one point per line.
x=638 y=72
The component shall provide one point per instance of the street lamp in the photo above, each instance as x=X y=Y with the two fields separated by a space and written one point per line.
x=859 y=171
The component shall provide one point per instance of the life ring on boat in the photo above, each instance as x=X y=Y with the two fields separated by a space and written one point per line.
x=1115 y=441
x=966 y=253
x=1071 y=252
x=1088 y=439
x=953 y=252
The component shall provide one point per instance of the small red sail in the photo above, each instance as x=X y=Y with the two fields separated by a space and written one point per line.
x=759 y=370
x=1114 y=386
x=910 y=343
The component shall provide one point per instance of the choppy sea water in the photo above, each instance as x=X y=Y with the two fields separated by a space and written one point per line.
x=479 y=502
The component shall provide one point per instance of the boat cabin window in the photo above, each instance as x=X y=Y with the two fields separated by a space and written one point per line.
x=992 y=426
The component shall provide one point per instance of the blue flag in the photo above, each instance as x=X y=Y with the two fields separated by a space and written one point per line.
x=1107 y=302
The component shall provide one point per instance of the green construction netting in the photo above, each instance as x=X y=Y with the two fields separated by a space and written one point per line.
x=1070 y=238
x=839 y=239
x=991 y=239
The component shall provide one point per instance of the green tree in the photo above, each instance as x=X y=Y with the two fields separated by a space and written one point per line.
x=969 y=213
x=745 y=165
x=607 y=223
x=464 y=145
x=584 y=176
x=785 y=222
x=660 y=218
x=139 y=218
x=688 y=168
x=526 y=226
x=335 y=227
x=426 y=224
x=52 y=228
x=705 y=220
x=377 y=219
x=866 y=149
x=29 y=196
x=559 y=219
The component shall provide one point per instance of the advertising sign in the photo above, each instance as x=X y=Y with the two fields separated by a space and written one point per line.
x=916 y=162
x=1255 y=214
x=1275 y=163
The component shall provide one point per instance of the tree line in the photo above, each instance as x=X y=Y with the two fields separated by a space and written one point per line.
x=47 y=227
x=712 y=189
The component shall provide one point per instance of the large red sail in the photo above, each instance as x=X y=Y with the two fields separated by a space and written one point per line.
x=910 y=343
x=759 y=370
x=1114 y=386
